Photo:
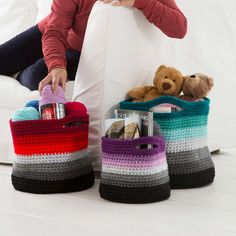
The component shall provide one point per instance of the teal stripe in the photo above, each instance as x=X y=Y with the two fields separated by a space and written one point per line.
x=181 y=122
x=187 y=124
x=189 y=108
x=183 y=134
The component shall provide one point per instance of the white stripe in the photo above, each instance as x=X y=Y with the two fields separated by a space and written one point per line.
x=186 y=145
x=54 y=158
x=136 y=171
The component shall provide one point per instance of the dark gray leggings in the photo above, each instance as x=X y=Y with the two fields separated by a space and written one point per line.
x=23 y=54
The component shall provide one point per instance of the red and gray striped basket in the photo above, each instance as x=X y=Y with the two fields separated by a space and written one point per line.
x=51 y=155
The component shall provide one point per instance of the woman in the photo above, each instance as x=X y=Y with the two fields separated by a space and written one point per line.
x=49 y=52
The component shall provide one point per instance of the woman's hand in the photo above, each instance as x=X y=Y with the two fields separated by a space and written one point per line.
x=123 y=3
x=57 y=76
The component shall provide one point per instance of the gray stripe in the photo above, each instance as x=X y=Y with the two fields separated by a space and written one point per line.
x=51 y=158
x=191 y=167
x=52 y=167
x=47 y=176
x=135 y=180
x=188 y=156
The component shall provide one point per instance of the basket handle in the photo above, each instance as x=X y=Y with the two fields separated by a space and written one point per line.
x=134 y=146
x=156 y=141
x=70 y=119
x=145 y=106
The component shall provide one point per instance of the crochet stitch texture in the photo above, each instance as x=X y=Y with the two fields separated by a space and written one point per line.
x=134 y=175
x=189 y=160
x=50 y=156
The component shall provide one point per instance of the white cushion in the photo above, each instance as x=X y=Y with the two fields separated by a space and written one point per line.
x=122 y=50
x=16 y=16
x=14 y=96
x=44 y=8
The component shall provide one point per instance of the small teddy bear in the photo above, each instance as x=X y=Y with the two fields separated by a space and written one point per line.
x=167 y=81
x=196 y=87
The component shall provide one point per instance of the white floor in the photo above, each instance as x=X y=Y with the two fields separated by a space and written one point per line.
x=206 y=211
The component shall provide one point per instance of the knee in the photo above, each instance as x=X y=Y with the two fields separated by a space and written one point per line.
x=32 y=76
x=3 y=62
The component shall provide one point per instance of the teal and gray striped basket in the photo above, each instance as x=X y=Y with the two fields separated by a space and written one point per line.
x=185 y=131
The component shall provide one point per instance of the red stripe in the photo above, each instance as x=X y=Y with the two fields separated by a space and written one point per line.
x=50 y=138
x=48 y=126
x=52 y=143
x=51 y=148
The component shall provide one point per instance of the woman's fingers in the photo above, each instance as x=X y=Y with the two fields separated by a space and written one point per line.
x=118 y=3
x=56 y=77
x=124 y=3
x=106 y=1
x=44 y=82
x=63 y=84
x=55 y=82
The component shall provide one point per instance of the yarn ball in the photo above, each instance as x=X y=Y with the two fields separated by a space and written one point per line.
x=48 y=97
x=73 y=108
x=33 y=103
x=26 y=113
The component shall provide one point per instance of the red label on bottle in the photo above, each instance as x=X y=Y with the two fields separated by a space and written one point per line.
x=52 y=111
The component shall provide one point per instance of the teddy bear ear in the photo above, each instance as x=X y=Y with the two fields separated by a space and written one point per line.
x=210 y=82
x=161 y=68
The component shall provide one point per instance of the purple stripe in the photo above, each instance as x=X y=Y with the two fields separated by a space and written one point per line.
x=129 y=147
x=107 y=157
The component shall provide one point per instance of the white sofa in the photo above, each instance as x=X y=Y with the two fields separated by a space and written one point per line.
x=122 y=50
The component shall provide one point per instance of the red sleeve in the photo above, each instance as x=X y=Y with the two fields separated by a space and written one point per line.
x=54 y=40
x=166 y=15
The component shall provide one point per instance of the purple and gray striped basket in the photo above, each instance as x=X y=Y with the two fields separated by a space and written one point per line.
x=133 y=174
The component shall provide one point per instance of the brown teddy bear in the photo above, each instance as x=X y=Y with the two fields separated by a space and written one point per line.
x=196 y=87
x=167 y=81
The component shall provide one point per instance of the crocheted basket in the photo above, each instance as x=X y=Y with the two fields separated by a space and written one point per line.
x=51 y=155
x=134 y=175
x=185 y=131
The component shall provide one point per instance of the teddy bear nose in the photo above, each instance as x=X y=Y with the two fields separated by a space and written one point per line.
x=193 y=76
x=166 y=86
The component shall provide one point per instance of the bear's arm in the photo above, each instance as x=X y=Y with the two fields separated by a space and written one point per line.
x=139 y=93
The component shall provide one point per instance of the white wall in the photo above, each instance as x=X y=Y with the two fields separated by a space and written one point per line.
x=210 y=47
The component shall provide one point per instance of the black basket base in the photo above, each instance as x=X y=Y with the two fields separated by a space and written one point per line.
x=80 y=183
x=194 y=180
x=135 y=195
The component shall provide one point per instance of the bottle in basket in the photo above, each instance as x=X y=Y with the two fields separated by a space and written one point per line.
x=52 y=106
x=52 y=111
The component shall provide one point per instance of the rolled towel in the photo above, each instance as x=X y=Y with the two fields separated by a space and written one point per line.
x=26 y=113
x=48 y=97
x=33 y=103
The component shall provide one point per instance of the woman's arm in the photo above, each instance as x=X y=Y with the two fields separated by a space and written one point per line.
x=165 y=14
x=54 y=40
